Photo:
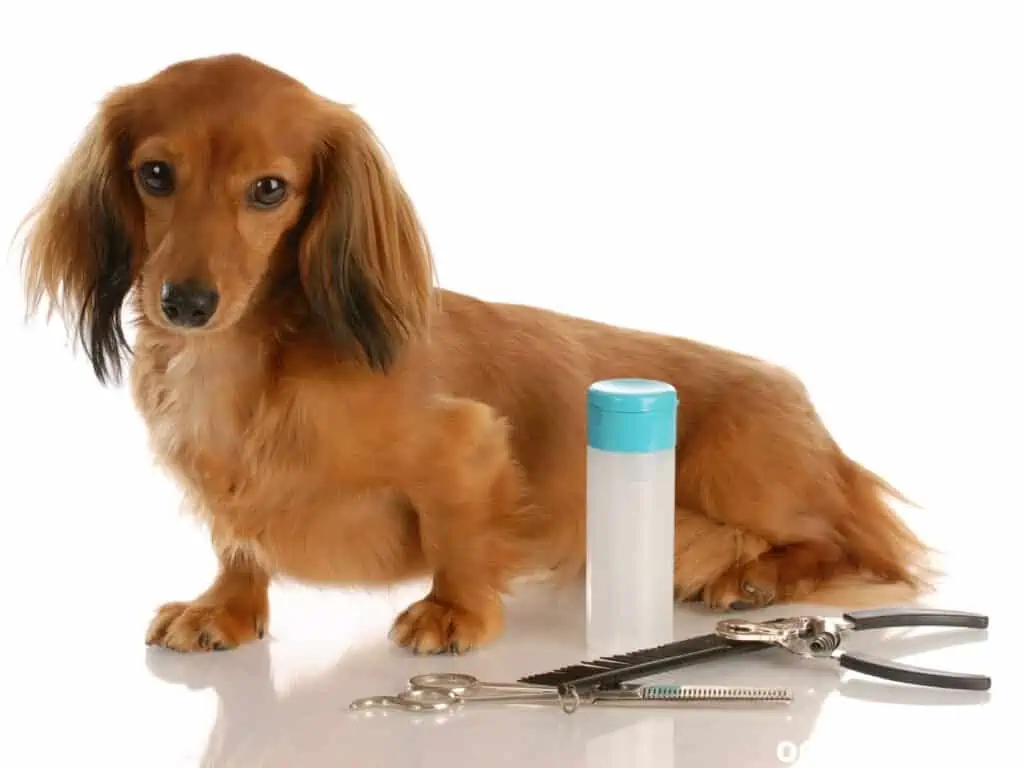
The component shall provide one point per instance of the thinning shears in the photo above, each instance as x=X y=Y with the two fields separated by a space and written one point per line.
x=437 y=692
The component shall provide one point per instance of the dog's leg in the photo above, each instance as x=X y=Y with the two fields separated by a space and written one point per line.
x=788 y=514
x=727 y=567
x=706 y=550
x=233 y=611
x=468 y=500
x=779 y=575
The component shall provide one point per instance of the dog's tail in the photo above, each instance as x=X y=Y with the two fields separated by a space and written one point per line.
x=884 y=562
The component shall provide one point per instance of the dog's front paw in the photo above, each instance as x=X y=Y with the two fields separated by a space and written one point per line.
x=207 y=626
x=431 y=626
x=747 y=586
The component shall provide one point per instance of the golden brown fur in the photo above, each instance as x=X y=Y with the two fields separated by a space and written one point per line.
x=340 y=421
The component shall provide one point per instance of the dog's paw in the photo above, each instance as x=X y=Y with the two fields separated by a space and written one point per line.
x=205 y=626
x=743 y=587
x=430 y=626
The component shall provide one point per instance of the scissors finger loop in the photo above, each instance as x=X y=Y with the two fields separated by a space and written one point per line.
x=416 y=700
x=444 y=681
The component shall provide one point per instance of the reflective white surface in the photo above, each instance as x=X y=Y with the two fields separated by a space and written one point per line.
x=85 y=689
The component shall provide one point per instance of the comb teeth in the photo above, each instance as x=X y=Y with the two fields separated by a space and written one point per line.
x=611 y=671
x=714 y=693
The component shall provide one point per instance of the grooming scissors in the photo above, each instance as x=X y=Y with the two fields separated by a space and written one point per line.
x=811 y=636
x=438 y=692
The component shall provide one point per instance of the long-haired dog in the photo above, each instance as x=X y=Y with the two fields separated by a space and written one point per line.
x=336 y=419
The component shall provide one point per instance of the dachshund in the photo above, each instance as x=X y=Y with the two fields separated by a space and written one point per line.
x=335 y=417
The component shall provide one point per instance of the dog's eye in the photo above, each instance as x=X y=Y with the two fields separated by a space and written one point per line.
x=267 y=192
x=157 y=177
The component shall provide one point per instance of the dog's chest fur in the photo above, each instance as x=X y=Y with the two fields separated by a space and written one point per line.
x=253 y=477
x=194 y=399
x=200 y=403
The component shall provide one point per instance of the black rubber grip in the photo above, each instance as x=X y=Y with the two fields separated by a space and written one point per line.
x=904 y=673
x=884 y=618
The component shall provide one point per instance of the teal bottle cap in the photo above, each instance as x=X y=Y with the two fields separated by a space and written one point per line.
x=631 y=415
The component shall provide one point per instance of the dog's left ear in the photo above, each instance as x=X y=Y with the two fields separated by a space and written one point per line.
x=364 y=260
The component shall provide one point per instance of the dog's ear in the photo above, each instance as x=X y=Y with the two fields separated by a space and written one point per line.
x=364 y=260
x=77 y=251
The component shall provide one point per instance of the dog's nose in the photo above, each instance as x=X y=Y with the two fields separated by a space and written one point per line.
x=188 y=305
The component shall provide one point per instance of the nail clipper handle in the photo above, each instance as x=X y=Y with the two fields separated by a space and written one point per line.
x=885 y=618
x=904 y=673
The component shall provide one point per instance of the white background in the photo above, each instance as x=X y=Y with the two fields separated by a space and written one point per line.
x=837 y=187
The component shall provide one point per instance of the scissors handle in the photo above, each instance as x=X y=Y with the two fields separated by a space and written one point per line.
x=418 y=700
x=467 y=686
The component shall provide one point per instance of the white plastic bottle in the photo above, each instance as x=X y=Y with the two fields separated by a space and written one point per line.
x=631 y=441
